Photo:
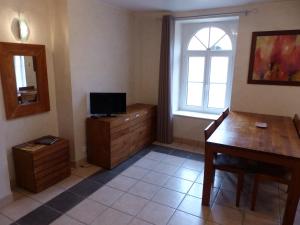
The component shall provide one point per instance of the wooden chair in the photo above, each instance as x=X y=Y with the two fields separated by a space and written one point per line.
x=268 y=172
x=297 y=123
x=227 y=163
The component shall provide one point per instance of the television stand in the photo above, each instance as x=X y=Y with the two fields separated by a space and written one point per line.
x=111 y=140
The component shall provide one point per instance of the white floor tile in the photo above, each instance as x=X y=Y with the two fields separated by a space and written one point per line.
x=106 y=195
x=225 y=215
x=178 y=184
x=85 y=170
x=112 y=217
x=86 y=211
x=130 y=204
x=144 y=190
x=168 y=197
x=122 y=183
x=187 y=174
x=20 y=208
x=65 y=220
x=139 y=222
x=193 y=165
x=193 y=205
x=166 y=169
x=156 y=156
x=146 y=163
x=135 y=172
x=4 y=220
x=69 y=182
x=156 y=214
x=174 y=160
x=46 y=195
x=156 y=178
x=181 y=218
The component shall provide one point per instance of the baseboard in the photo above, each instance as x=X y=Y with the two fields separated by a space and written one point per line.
x=186 y=145
x=189 y=142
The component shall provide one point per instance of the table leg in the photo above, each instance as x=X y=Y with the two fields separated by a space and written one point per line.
x=292 y=199
x=208 y=175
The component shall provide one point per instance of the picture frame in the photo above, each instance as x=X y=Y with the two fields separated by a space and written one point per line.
x=275 y=58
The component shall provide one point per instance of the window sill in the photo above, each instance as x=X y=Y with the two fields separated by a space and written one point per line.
x=206 y=116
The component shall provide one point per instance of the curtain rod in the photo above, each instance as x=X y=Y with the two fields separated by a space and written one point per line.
x=244 y=12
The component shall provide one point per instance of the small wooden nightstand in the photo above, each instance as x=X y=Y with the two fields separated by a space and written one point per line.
x=38 y=167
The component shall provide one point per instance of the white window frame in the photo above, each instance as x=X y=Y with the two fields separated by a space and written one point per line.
x=187 y=33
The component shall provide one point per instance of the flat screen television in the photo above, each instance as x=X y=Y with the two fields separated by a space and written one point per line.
x=107 y=103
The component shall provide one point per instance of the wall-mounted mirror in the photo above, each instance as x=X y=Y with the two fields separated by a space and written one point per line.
x=24 y=79
x=25 y=72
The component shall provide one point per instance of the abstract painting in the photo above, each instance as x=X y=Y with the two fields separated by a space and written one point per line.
x=275 y=58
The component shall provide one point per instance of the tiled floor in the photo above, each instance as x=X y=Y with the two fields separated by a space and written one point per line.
x=158 y=186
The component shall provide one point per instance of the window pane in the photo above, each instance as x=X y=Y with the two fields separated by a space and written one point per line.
x=219 y=69
x=215 y=35
x=196 y=69
x=194 y=96
x=217 y=96
x=195 y=44
x=223 y=44
x=203 y=36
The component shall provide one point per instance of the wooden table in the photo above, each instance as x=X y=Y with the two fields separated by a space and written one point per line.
x=278 y=144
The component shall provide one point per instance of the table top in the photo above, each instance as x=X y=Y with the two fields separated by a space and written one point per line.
x=239 y=130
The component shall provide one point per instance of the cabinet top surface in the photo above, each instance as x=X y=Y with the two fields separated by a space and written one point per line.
x=131 y=109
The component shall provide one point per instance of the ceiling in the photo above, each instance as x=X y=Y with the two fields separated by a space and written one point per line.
x=178 y=5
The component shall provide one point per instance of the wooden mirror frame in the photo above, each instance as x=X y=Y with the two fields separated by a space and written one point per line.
x=7 y=72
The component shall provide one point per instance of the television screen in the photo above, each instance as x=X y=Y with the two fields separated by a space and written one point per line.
x=108 y=103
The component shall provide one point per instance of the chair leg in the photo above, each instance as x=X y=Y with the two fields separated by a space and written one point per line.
x=254 y=192
x=240 y=184
x=213 y=177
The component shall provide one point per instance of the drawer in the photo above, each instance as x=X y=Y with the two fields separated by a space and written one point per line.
x=48 y=158
x=45 y=165
x=121 y=121
x=52 y=179
x=50 y=150
x=39 y=174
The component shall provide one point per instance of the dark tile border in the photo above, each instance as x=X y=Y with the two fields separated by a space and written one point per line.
x=56 y=207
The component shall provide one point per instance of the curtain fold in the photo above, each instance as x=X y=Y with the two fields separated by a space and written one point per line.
x=164 y=109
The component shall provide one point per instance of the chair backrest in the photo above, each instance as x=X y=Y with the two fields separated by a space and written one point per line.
x=219 y=120
x=297 y=124
x=210 y=129
x=226 y=113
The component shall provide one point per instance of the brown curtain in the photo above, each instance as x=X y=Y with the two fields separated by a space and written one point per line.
x=164 y=109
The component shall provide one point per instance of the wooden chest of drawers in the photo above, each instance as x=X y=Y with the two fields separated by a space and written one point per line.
x=39 y=169
x=111 y=140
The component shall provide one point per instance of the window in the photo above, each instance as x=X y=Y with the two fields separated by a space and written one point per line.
x=19 y=62
x=206 y=65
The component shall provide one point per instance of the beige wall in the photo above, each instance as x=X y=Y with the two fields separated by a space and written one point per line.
x=253 y=98
x=100 y=57
x=20 y=130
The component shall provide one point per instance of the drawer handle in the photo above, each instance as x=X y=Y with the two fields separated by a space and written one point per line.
x=127 y=119
x=137 y=115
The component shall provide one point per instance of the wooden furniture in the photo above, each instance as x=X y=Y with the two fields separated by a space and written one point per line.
x=111 y=140
x=13 y=108
x=38 y=167
x=297 y=123
x=225 y=162
x=278 y=144
x=268 y=172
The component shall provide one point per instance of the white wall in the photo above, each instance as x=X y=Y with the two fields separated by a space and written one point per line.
x=61 y=54
x=100 y=57
x=24 y=129
x=277 y=100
